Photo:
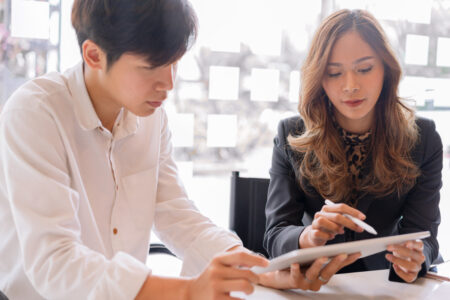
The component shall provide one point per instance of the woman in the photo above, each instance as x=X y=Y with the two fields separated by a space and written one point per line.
x=359 y=146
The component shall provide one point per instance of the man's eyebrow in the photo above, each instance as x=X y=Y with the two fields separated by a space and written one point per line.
x=355 y=62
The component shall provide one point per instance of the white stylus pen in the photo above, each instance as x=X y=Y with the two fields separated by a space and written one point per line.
x=357 y=221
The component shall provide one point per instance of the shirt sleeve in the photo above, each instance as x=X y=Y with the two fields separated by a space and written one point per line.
x=36 y=178
x=178 y=223
x=284 y=208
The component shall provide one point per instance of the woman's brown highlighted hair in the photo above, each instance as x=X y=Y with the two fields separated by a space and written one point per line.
x=394 y=132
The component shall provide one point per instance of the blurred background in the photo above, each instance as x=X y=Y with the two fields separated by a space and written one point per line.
x=242 y=77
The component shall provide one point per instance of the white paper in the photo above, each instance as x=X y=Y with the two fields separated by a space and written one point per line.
x=223 y=83
x=222 y=131
x=265 y=85
x=30 y=19
x=416 y=49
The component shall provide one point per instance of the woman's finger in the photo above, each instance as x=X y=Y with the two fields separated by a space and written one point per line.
x=314 y=270
x=339 y=219
x=320 y=237
x=342 y=208
x=406 y=253
x=407 y=265
x=406 y=276
x=323 y=221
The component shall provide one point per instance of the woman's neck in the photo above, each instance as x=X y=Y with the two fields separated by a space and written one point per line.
x=358 y=126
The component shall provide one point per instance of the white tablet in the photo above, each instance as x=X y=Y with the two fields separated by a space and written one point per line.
x=366 y=247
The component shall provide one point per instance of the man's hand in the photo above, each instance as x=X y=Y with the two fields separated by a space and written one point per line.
x=226 y=273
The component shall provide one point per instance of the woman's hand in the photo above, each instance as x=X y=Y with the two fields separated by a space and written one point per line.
x=224 y=275
x=407 y=259
x=310 y=279
x=328 y=223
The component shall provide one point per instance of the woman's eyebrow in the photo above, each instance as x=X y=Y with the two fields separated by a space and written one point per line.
x=362 y=59
x=359 y=60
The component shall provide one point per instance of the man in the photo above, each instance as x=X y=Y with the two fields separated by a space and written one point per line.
x=86 y=170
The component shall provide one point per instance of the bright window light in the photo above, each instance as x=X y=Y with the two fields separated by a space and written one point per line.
x=54 y=28
x=294 y=86
x=443 y=51
x=217 y=31
x=52 y=61
x=69 y=49
x=422 y=89
x=185 y=170
x=416 y=49
x=223 y=83
x=182 y=127
x=264 y=85
x=261 y=32
x=413 y=88
x=188 y=68
x=419 y=11
x=189 y=90
x=222 y=131
x=30 y=19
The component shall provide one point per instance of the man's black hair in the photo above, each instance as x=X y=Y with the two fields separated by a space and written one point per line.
x=160 y=30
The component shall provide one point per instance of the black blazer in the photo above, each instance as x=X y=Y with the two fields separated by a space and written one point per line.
x=416 y=210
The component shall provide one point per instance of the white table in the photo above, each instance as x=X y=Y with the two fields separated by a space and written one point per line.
x=361 y=285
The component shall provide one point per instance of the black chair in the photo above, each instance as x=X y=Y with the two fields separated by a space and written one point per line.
x=247 y=210
x=156 y=248
x=3 y=296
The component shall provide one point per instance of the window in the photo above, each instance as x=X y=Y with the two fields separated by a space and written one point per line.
x=242 y=77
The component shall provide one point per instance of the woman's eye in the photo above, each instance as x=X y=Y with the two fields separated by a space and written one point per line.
x=334 y=74
x=365 y=70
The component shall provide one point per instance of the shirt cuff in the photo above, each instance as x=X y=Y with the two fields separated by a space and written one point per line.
x=125 y=276
x=202 y=250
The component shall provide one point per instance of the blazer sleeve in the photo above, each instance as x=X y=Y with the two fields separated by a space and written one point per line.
x=421 y=208
x=284 y=210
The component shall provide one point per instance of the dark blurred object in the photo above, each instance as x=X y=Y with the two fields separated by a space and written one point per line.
x=247 y=210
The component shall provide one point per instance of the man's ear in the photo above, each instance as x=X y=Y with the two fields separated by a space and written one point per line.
x=93 y=55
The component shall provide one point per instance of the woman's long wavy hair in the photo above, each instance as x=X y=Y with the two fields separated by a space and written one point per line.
x=394 y=132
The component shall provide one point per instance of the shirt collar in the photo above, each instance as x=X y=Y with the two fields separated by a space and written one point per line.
x=84 y=109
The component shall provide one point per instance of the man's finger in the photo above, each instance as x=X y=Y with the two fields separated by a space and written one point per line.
x=241 y=258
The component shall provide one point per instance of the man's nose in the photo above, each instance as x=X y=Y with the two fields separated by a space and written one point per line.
x=166 y=78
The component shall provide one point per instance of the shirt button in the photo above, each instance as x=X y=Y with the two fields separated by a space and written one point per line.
x=117 y=187
x=115 y=230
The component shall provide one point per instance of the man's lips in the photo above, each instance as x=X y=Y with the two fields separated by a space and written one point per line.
x=155 y=104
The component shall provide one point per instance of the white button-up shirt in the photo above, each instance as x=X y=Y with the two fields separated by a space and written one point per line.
x=77 y=202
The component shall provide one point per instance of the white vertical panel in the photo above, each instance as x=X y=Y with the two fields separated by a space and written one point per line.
x=30 y=19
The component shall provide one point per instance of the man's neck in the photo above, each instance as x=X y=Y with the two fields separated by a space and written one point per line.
x=106 y=108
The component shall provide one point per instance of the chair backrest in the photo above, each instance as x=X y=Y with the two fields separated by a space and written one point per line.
x=247 y=210
x=3 y=296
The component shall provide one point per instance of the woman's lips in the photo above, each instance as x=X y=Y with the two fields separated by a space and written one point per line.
x=354 y=103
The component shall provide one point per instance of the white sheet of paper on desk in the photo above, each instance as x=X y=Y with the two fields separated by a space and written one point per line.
x=366 y=247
